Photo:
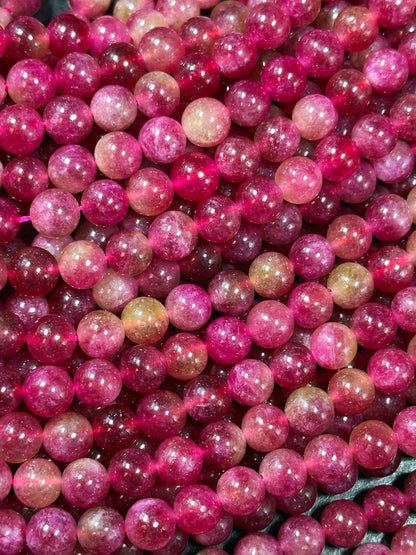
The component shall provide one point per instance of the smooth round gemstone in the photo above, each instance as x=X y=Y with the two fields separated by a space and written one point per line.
x=48 y=391
x=350 y=284
x=228 y=340
x=277 y=138
x=386 y=507
x=37 y=483
x=161 y=414
x=51 y=531
x=351 y=390
x=97 y=382
x=20 y=437
x=373 y=444
x=82 y=264
x=241 y=490
x=173 y=235
x=292 y=365
x=301 y=534
x=309 y=410
x=404 y=428
x=145 y=320
x=100 y=333
x=206 y=122
x=52 y=339
x=248 y=102
x=132 y=472
x=315 y=116
x=118 y=155
x=150 y=191
x=387 y=70
x=270 y=323
x=223 y=444
x=328 y=459
x=311 y=304
x=333 y=345
x=13 y=528
x=85 y=482
x=178 y=461
x=312 y=256
x=391 y=370
x=284 y=472
x=33 y=271
x=142 y=368
x=67 y=437
x=197 y=509
x=100 y=530
x=207 y=398
x=284 y=78
x=344 y=523
x=251 y=382
x=22 y=129
x=150 y=523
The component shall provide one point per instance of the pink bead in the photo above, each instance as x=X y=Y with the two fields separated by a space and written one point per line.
x=31 y=82
x=97 y=382
x=22 y=129
x=404 y=428
x=251 y=382
x=375 y=136
x=315 y=117
x=284 y=78
x=391 y=370
x=100 y=334
x=284 y=472
x=132 y=472
x=373 y=444
x=51 y=530
x=54 y=213
x=389 y=216
x=299 y=178
x=372 y=548
x=78 y=74
x=219 y=533
x=118 y=155
x=114 y=108
x=274 y=317
x=67 y=437
x=52 y=339
x=248 y=103
x=337 y=157
x=188 y=306
x=387 y=70
x=157 y=94
x=320 y=52
x=68 y=33
x=68 y=119
x=48 y=391
x=333 y=345
x=207 y=398
x=20 y=435
x=161 y=414
x=85 y=482
x=173 y=235
x=82 y=264
x=260 y=518
x=72 y=168
x=26 y=38
x=235 y=55
x=309 y=410
x=178 y=461
x=403 y=309
x=162 y=140
x=391 y=268
x=101 y=530
x=396 y=165
x=14 y=528
x=197 y=509
x=150 y=523
x=344 y=523
x=267 y=26
x=121 y=64
x=228 y=340
x=328 y=459
x=312 y=256
x=105 y=202
x=301 y=533
x=223 y=444
x=241 y=490
x=150 y=191
x=238 y=158
x=386 y=507
x=258 y=542
x=206 y=122
x=115 y=427
x=87 y=10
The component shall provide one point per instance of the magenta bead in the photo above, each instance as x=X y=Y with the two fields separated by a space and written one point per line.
x=173 y=235
x=301 y=534
x=396 y=165
x=207 y=398
x=223 y=444
x=101 y=530
x=97 y=382
x=270 y=323
x=24 y=177
x=389 y=216
x=20 y=437
x=403 y=309
x=328 y=459
x=337 y=157
x=387 y=70
x=78 y=74
x=391 y=370
x=178 y=461
x=52 y=339
x=311 y=304
x=241 y=490
x=161 y=414
x=68 y=33
x=217 y=219
x=85 y=482
x=72 y=168
x=257 y=542
x=22 y=129
x=277 y=138
x=228 y=340
x=48 y=391
x=292 y=365
x=68 y=119
x=309 y=410
x=150 y=523
x=391 y=268
x=104 y=202
x=251 y=382
x=32 y=83
x=373 y=444
x=386 y=507
x=284 y=472
x=197 y=509
x=13 y=528
x=284 y=78
x=82 y=264
x=267 y=26
x=344 y=523
x=67 y=437
x=333 y=345
x=132 y=472
x=312 y=256
x=404 y=428
x=51 y=531
x=248 y=102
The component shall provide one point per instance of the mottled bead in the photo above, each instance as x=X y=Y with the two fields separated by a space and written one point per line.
x=223 y=444
x=351 y=285
x=309 y=410
x=20 y=437
x=150 y=523
x=100 y=333
x=344 y=523
x=333 y=345
x=51 y=531
x=85 y=482
x=37 y=483
x=13 y=528
x=206 y=122
x=351 y=390
x=284 y=472
x=100 y=530
x=270 y=323
x=373 y=444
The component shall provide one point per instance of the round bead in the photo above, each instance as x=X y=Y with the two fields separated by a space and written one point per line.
x=270 y=323
x=207 y=398
x=37 y=483
x=20 y=437
x=145 y=320
x=284 y=472
x=13 y=526
x=150 y=523
x=265 y=427
x=404 y=428
x=241 y=490
x=333 y=345
x=100 y=530
x=150 y=191
x=173 y=235
x=223 y=444
x=51 y=531
x=142 y=368
x=48 y=391
x=161 y=414
x=277 y=139
x=82 y=264
x=312 y=256
x=22 y=129
x=197 y=509
x=351 y=390
x=206 y=122
x=328 y=459
x=256 y=542
x=67 y=437
x=344 y=523
x=315 y=116
x=351 y=285
x=386 y=507
x=309 y=410
x=293 y=365
x=373 y=444
x=85 y=482
x=100 y=333
x=301 y=533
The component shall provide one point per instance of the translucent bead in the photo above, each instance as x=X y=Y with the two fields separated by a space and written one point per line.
x=22 y=129
x=121 y=64
x=284 y=472
x=67 y=437
x=26 y=38
x=265 y=427
x=159 y=278
x=248 y=103
x=197 y=509
x=389 y=216
x=373 y=444
x=255 y=542
x=251 y=382
x=14 y=532
x=100 y=530
x=199 y=34
x=206 y=122
x=161 y=414
x=162 y=139
x=351 y=285
x=68 y=33
x=375 y=136
x=299 y=178
x=328 y=459
x=68 y=119
x=356 y=27
x=231 y=292
x=395 y=166
x=50 y=531
x=386 y=507
x=337 y=157
x=241 y=490
x=219 y=533
x=315 y=117
x=85 y=482
x=350 y=236
x=316 y=407
x=404 y=428
x=284 y=78
x=100 y=333
x=173 y=235
x=237 y=158
x=150 y=523
x=188 y=307
x=178 y=12
x=223 y=444
x=31 y=82
x=387 y=70
x=391 y=370
x=178 y=461
x=207 y=398
x=274 y=317
x=72 y=168
x=312 y=256
x=391 y=268
x=351 y=390
x=372 y=548
x=301 y=533
x=161 y=49
x=87 y=10
x=82 y=264
x=229 y=17
x=344 y=523
x=333 y=345
x=37 y=483
x=78 y=74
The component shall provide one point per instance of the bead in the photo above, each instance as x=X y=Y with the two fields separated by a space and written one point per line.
x=373 y=444
x=293 y=365
x=67 y=437
x=20 y=437
x=386 y=507
x=100 y=530
x=351 y=285
x=48 y=391
x=150 y=523
x=372 y=548
x=231 y=292
x=13 y=526
x=88 y=10
x=403 y=426
x=311 y=304
x=256 y=542
x=68 y=119
x=197 y=509
x=391 y=370
x=195 y=176
x=26 y=38
x=82 y=264
x=301 y=533
x=85 y=482
x=100 y=333
x=403 y=309
x=97 y=382
x=344 y=523
x=52 y=339
x=145 y=320
x=71 y=168
x=391 y=268
x=337 y=157
x=115 y=427
x=387 y=70
x=351 y=391
x=161 y=414
x=142 y=368
x=78 y=74
x=228 y=340
x=349 y=90
x=121 y=64
x=316 y=408
x=37 y=483
x=350 y=236
x=274 y=317
x=206 y=122
x=389 y=216
x=68 y=33
x=159 y=278
x=12 y=334
x=396 y=165
x=150 y=191
x=284 y=472
x=128 y=252
x=251 y=382
x=207 y=398
x=71 y=303
x=22 y=129
x=328 y=459
x=241 y=490
x=50 y=531
x=186 y=356
x=315 y=117
x=223 y=444
x=312 y=256
x=333 y=345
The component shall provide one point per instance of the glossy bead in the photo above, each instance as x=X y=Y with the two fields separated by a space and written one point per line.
x=12 y=335
x=26 y=38
x=106 y=30
x=159 y=278
x=150 y=191
x=100 y=530
x=316 y=407
x=185 y=355
x=206 y=122
x=389 y=216
x=350 y=91
x=360 y=186
x=145 y=320
x=257 y=542
x=68 y=119
x=328 y=459
x=351 y=391
x=259 y=199
x=231 y=292
x=217 y=219
x=97 y=382
x=241 y=490
x=20 y=437
x=404 y=428
x=48 y=391
x=248 y=102
x=72 y=168
x=14 y=528
x=128 y=252
x=396 y=165
x=386 y=507
x=274 y=317
x=320 y=52
x=227 y=339
x=350 y=236
x=105 y=202
x=52 y=339
x=238 y=158
x=188 y=307
x=356 y=27
x=333 y=345
x=207 y=398
x=150 y=523
x=315 y=116
x=82 y=264
x=312 y=256
x=100 y=333
x=391 y=268
x=301 y=534
x=67 y=437
x=197 y=509
x=229 y=17
x=391 y=370
x=337 y=157
x=78 y=74
x=284 y=472
x=68 y=33
x=251 y=382
x=31 y=82
x=373 y=444
x=24 y=177
x=344 y=523
x=381 y=66
x=115 y=427
x=223 y=444
x=142 y=368
x=50 y=531
x=284 y=78
x=311 y=304
x=161 y=49
x=37 y=483
x=22 y=129
x=85 y=482
x=161 y=414
x=351 y=285
x=71 y=303
x=403 y=307
x=372 y=548
x=121 y=64
x=293 y=365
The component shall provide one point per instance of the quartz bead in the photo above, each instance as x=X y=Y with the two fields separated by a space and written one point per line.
x=228 y=340
x=389 y=216
x=132 y=472
x=118 y=156
x=89 y=10
x=337 y=157
x=207 y=398
x=333 y=345
x=52 y=339
x=150 y=523
x=395 y=166
x=185 y=355
x=356 y=27
x=128 y=252
x=78 y=74
x=219 y=533
x=231 y=292
x=24 y=177
x=229 y=17
x=100 y=530
x=20 y=437
x=100 y=333
x=37 y=483
x=161 y=49
x=320 y=52
x=251 y=382
x=237 y=158
x=350 y=236
x=391 y=268
x=404 y=428
x=162 y=140
x=351 y=390
x=68 y=119
x=309 y=410
x=350 y=91
x=51 y=531
x=267 y=26
x=48 y=391
x=284 y=472
x=85 y=482
x=248 y=102
x=13 y=528
x=360 y=186
x=188 y=307
x=386 y=507
x=217 y=219
x=33 y=271
x=311 y=304
x=344 y=523
x=284 y=78
x=328 y=459
x=403 y=309
x=31 y=82
x=241 y=490
x=72 y=168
